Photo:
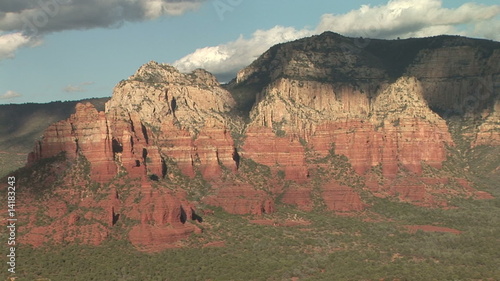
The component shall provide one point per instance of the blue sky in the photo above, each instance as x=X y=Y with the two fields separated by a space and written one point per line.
x=82 y=50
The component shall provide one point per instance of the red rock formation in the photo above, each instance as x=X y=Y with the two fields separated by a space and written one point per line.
x=301 y=197
x=424 y=191
x=58 y=137
x=215 y=147
x=483 y=195
x=163 y=220
x=466 y=185
x=242 y=199
x=136 y=136
x=280 y=153
x=489 y=132
x=366 y=146
x=65 y=231
x=84 y=133
x=159 y=209
x=156 y=238
x=341 y=198
x=307 y=107
x=178 y=145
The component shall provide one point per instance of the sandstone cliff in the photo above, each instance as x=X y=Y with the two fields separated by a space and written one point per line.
x=316 y=123
x=156 y=117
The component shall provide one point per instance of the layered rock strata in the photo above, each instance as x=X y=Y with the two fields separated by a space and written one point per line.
x=382 y=106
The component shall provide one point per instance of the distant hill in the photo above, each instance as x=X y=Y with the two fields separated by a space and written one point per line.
x=21 y=124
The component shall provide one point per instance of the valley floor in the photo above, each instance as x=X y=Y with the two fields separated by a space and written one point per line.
x=384 y=243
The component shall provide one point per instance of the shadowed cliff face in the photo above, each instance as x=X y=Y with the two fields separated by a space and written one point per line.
x=459 y=75
x=316 y=122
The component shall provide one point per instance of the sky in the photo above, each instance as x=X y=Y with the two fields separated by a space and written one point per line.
x=74 y=49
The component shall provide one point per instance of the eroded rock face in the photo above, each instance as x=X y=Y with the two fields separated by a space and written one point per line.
x=459 y=79
x=488 y=131
x=181 y=116
x=164 y=221
x=300 y=197
x=376 y=105
x=265 y=147
x=156 y=116
x=161 y=219
x=315 y=99
x=157 y=112
x=242 y=199
x=390 y=129
x=341 y=198
x=85 y=133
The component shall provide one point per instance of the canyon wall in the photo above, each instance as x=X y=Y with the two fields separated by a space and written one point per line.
x=329 y=119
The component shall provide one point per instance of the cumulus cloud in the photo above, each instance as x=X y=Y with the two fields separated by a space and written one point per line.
x=29 y=20
x=228 y=58
x=406 y=18
x=487 y=29
x=73 y=89
x=9 y=43
x=47 y=16
x=10 y=95
x=77 y=88
x=397 y=18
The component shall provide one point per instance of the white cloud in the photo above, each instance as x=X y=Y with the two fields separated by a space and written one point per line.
x=230 y=57
x=157 y=8
x=41 y=17
x=26 y=21
x=77 y=88
x=73 y=89
x=487 y=29
x=406 y=18
x=397 y=18
x=9 y=43
x=10 y=95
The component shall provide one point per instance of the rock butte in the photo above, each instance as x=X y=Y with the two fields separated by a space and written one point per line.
x=315 y=106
